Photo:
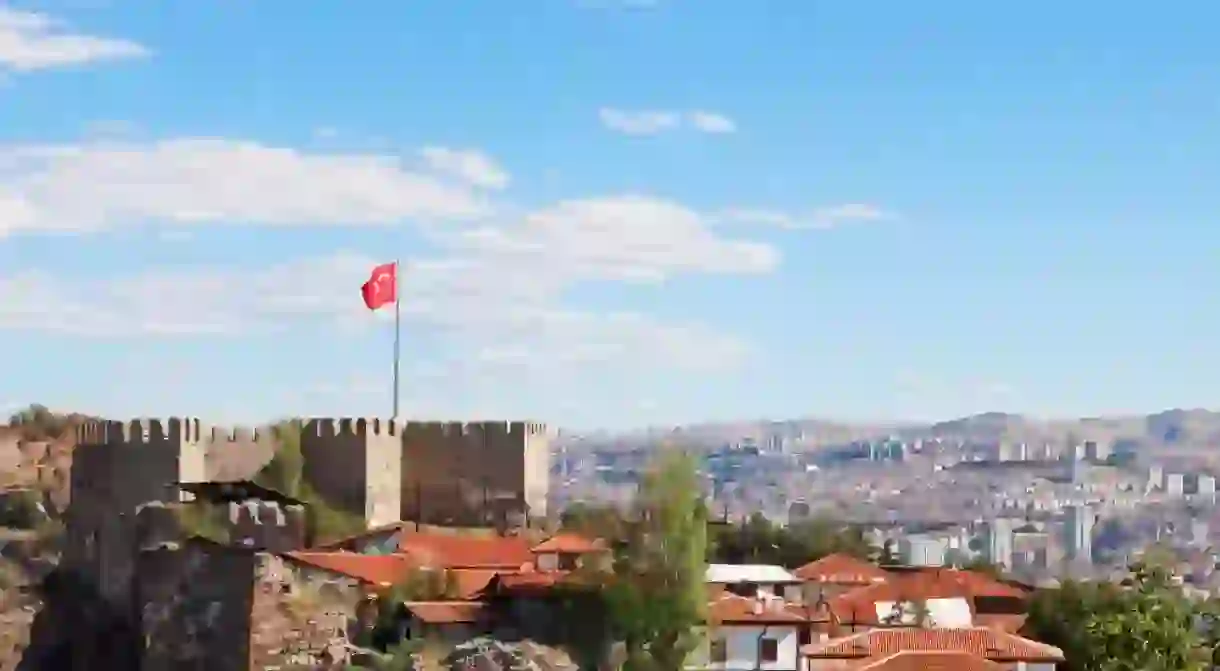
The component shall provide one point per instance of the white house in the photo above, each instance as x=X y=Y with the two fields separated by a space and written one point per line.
x=755 y=579
x=751 y=633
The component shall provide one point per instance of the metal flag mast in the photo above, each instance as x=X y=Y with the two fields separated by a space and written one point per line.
x=397 y=336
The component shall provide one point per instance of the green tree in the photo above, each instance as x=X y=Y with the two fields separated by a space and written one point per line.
x=1146 y=625
x=1155 y=630
x=758 y=541
x=656 y=595
x=594 y=521
x=285 y=473
x=1058 y=616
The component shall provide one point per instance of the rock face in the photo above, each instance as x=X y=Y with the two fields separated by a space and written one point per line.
x=489 y=654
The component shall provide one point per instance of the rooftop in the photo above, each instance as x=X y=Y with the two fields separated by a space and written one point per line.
x=748 y=573
x=841 y=569
x=978 y=641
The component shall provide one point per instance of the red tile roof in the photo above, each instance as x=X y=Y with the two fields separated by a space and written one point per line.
x=447 y=612
x=569 y=543
x=858 y=605
x=841 y=569
x=454 y=551
x=381 y=570
x=924 y=660
x=733 y=609
x=986 y=643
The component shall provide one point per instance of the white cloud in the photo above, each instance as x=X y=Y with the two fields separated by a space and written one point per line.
x=653 y=122
x=643 y=122
x=199 y=181
x=497 y=314
x=821 y=218
x=711 y=122
x=628 y=237
x=498 y=289
x=30 y=41
x=471 y=166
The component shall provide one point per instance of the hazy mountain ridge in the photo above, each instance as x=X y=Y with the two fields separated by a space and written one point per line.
x=1173 y=428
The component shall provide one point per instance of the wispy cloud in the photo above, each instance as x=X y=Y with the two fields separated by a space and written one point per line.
x=30 y=41
x=820 y=218
x=711 y=122
x=473 y=167
x=653 y=122
x=100 y=184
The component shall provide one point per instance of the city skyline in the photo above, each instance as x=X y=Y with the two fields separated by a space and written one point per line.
x=609 y=214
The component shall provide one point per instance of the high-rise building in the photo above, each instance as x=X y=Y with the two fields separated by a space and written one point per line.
x=1206 y=485
x=1175 y=484
x=1078 y=532
x=1156 y=478
x=922 y=550
x=999 y=542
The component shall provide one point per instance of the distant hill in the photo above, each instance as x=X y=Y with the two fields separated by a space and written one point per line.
x=1171 y=430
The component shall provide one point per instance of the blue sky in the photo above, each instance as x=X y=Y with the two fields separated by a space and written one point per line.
x=610 y=215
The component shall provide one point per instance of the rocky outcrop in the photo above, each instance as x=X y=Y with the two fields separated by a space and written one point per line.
x=489 y=654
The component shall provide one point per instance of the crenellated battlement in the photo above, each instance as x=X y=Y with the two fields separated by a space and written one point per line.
x=351 y=426
x=150 y=430
x=142 y=430
x=487 y=427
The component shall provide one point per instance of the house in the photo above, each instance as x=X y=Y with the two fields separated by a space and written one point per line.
x=862 y=650
x=945 y=598
x=760 y=632
x=752 y=580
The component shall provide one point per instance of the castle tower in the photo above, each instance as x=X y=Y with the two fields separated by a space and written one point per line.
x=356 y=465
x=462 y=472
x=117 y=468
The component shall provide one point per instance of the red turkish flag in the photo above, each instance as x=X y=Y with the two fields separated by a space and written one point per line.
x=382 y=287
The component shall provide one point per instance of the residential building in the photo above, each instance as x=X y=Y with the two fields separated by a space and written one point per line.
x=922 y=550
x=761 y=632
x=1078 y=533
x=999 y=542
x=753 y=580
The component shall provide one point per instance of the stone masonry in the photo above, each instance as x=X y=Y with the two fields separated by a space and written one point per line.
x=426 y=471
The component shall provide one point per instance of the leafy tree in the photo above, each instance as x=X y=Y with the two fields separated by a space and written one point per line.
x=656 y=596
x=594 y=521
x=1154 y=631
x=759 y=541
x=285 y=474
x=1058 y=617
x=1148 y=625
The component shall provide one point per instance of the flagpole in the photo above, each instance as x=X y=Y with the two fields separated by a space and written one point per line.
x=397 y=335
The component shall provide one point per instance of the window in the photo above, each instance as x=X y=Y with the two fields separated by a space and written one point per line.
x=719 y=652
x=568 y=561
x=768 y=650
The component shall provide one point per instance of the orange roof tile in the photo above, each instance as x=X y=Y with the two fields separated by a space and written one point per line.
x=370 y=569
x=447 y=612
x=733 y=609
x=841 y=569
x=926 y=660
x=453 y=551
x=858 y=605
x=570 y=543
x=986 y=643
